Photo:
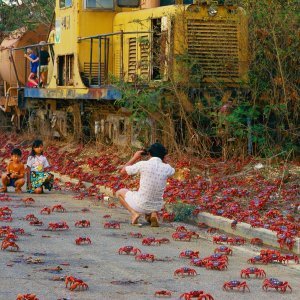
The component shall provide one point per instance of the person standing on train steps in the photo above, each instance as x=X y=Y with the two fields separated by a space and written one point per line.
x=44 y=61
x=34 y=64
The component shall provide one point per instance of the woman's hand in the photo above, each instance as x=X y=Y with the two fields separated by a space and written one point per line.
x=137 y=155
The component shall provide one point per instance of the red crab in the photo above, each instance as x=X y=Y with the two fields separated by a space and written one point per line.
x=163 y=241
x=83 y=223
x=6 y=210
x=145 y=257
x=45 y=210
x=235 y=284
x=259 y=273
x=5 y=218
x=149 y=241
x=181 y=229
x=9 y=244
x=11 y=236
x=258 y=259
x=112 y=224
x=185 y=271
x=27 y=297
x=285 y=240
x=268 y=252
x=58 y=208
x=256 y=223
x=189 y=254
x=112 y=205
x=28 y=201
x=59 y=225
x=83 y=241
x=223 y=249
x=216 y=257
x=276 y=258
x=202 y=225
x=137 y=235
x=107 y=216
x=196 y=295
x=216 y=265
x=17 y=230
x=75 y=283
x=128 y=250
x=212 y=230
x=256 y=241
x=236 y=241
x=193 y=234
x=181 y=236
x=220 y=238
x=289 y=257
x=4 y=197
x=198 y=262
x=276 y=284
x=163 y=293
x=36 y=223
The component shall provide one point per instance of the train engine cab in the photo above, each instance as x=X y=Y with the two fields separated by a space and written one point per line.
x=96 y=42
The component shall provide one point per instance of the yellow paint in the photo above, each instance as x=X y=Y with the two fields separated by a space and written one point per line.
x=76 y=22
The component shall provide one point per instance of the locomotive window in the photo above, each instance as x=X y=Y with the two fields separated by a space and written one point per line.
x=128 y=3
x=65 y=3
x=99 y=4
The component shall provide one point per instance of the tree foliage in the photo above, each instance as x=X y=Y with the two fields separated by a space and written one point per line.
x=263 y=121
x=18 y=13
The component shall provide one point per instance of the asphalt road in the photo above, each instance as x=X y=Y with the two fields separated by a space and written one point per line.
x=108 y=274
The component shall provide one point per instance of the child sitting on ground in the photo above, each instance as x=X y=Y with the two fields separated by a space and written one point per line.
x=37 y=166
x=15 y=172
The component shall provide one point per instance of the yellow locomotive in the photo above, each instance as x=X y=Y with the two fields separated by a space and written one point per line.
x=95 y=41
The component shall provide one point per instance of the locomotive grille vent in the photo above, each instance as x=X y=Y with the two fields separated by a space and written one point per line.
x=215 y=47
x=132 y=59
x=144 y=59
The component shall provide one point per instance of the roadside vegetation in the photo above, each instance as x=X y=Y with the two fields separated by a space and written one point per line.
x=262 y=121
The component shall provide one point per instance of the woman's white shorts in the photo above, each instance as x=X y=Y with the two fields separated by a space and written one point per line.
x=132 y=203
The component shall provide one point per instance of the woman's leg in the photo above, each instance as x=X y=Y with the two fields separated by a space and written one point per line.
x=30 y=79
x=134 y=215
x=154 y=219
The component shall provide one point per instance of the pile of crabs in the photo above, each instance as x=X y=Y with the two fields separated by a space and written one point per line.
x=206 y=185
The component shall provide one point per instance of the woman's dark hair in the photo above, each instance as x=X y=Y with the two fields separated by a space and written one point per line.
x=17 y=152
x=36 y=144
x=157 y=150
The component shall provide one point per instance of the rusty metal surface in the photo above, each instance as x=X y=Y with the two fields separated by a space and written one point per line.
x=18 y=38
x=105 y=93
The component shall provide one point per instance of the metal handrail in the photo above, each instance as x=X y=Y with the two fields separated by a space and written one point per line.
x=31 y=46
x=105 y=37
x=111 y=34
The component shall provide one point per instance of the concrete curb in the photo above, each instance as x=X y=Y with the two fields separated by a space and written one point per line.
x=242 y=229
